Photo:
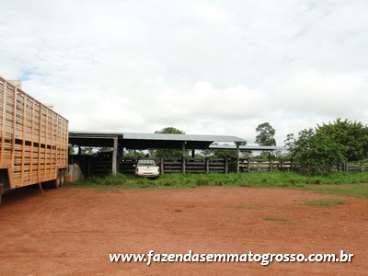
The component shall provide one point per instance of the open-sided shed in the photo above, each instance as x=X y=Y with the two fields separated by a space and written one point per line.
x=141 y=141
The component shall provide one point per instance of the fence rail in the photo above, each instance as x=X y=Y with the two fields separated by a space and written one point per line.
x=210 y=165
x=100 y=165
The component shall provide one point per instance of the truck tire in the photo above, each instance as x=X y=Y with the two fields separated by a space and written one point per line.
x=57 y=183
x=62 y=180
x=1 y=192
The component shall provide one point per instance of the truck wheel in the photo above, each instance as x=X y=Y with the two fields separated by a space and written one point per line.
x=1 y=192
x=57 y=182
x=62 y=180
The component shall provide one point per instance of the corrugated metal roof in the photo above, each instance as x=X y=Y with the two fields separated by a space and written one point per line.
x=97 y=134
x=182 y=137
x=246 y=147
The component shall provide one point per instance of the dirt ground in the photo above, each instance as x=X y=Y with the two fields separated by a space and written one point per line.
x=72 y=230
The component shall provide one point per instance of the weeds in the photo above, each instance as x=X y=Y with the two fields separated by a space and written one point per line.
x=334 y=183
x=325 y=202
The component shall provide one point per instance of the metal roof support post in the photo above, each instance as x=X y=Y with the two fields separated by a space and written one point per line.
x=183 y=158
x=162 y=166
x=207 y=164
x=120 y=155
x=237 y=156
x=115 y=156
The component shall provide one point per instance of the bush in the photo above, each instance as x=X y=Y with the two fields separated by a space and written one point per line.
x=316 y=153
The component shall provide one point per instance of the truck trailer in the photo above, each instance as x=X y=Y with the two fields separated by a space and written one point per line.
x=33 y=141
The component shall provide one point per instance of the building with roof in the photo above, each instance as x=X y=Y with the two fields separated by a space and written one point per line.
x=144 y=141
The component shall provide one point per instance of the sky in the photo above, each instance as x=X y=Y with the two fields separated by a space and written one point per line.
x=205 y=67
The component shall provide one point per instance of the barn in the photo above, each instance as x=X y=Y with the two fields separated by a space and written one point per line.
x=114 y=160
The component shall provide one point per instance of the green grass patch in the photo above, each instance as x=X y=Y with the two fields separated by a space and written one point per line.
x=352 y=184
x=276 y=219
x=324 y=202
x=356 y=190
x=248 y=206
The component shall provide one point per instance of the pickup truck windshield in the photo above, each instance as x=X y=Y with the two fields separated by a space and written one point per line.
x=146 y=163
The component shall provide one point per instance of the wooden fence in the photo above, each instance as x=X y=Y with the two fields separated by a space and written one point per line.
x=210 y=165
x=102 y=164
x=246 y=165
x=93 y=164
x=355 y=167
x=183 y=165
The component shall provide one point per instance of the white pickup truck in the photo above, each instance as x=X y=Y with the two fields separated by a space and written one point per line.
x=147 y=168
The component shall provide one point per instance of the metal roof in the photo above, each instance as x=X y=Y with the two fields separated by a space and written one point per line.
x=182 y=137
x=246 y=147
x=149 y=140
x=97 y=134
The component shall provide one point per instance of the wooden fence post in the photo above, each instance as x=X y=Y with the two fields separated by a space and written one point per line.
x=183 y=157
x=226 y=166
x=115 y=155
x=207 y=165
x=162 y=166
x=237 y=157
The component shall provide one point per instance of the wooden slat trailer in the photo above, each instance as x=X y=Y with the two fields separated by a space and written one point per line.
x=33 y=141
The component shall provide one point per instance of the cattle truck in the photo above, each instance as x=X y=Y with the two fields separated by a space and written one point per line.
x=33 y=141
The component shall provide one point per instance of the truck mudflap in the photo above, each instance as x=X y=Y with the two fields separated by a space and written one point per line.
x=1 y=192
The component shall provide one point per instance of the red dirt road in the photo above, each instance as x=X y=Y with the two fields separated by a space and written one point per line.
x=72 y=230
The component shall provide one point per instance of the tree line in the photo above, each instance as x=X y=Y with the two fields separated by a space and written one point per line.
x=317 y=150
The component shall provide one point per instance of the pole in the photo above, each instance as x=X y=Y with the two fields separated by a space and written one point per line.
x=162 y=166
x=237 y=157
x=115 y=156
x=183 y=158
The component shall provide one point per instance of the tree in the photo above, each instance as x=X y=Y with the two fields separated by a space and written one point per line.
x=225 y=154
x=351 y=135
x=134 y=154
x=170 y=130
x=86 y=150
x=265 y=136
x=289 y=142
x=317 y=153
x=168 y=153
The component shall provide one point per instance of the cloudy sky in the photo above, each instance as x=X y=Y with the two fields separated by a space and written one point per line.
x=206 y=67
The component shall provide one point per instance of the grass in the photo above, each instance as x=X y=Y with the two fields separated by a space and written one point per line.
x=356 y=190
x=325 y=202
x=276 y=219
x=352 y=184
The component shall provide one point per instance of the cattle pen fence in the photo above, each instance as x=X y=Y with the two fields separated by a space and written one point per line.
x=101 y=165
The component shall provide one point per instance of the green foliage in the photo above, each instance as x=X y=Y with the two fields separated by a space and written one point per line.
x=317 y=153
x=335 y=183
x=266 y=135
x=352 y=136
x=134 y=154
x=170 y=130
x=168 y=153
x=86 y=150
x=357 y=189
x=319 y=150
x=289 y=142
x=325 y=202
x=225 y=154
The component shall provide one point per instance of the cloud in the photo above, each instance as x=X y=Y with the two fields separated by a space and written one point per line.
x=206 y=67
